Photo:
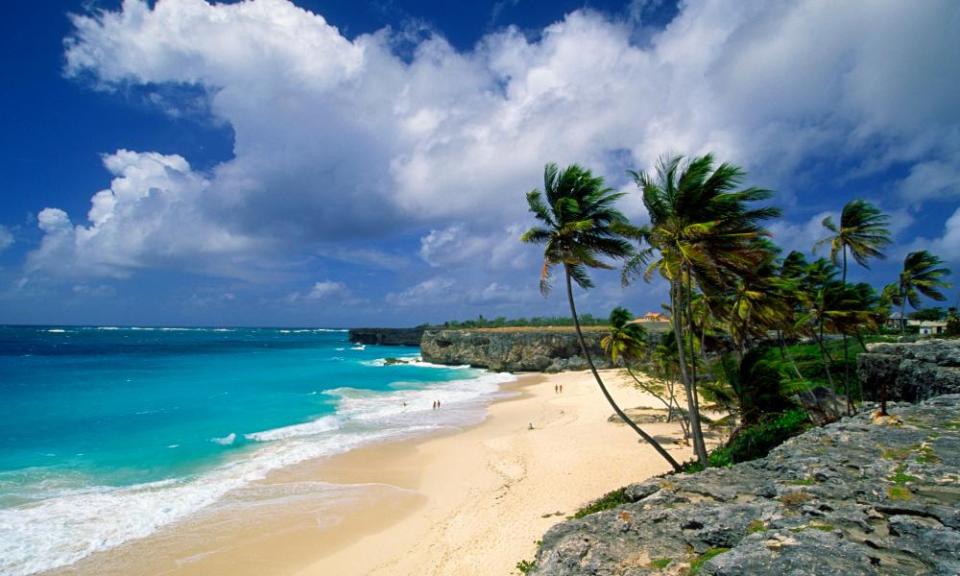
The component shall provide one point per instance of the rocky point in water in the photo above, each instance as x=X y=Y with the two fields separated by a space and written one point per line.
x=514 y=349
x=851 y=498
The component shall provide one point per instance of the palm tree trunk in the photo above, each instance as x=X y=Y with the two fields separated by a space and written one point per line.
x=693 y=359
x=696 y=431
x=903 y=310
x=846 y=355
x=586 y=354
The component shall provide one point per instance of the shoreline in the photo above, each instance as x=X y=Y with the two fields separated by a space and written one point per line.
x=469 y=501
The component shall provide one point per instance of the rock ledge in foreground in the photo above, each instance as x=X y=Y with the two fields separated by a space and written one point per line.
x=850 y=498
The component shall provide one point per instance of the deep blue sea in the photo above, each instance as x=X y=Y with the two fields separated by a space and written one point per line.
x=109 y=433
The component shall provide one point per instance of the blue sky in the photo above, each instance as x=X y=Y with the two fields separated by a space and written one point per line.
x=360 y=163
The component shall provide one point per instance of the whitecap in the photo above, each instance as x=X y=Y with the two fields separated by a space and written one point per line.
x=312 y=428
x=61 y=530
x=226 y=440
x=69 y=525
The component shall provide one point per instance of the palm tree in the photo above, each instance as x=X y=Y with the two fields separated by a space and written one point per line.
x=627 y=343
x=580 y=228
x=790 y=279
x=922 y=274
x=863 y=233
x=817 y=284
x=701 y=236
x=757 y=303
x=834 y=307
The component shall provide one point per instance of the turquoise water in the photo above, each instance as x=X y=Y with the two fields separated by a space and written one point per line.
x=106 y=434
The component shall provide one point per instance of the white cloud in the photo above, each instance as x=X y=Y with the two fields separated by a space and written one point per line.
x=931 y=180
x=947 y=245
x=150 y=216
x=498 y=294
x=6 y=238
x=450 y=245
x=338 y=139
x=492 y=249
x=326 y=289
x=802 y=237
x=433 y=291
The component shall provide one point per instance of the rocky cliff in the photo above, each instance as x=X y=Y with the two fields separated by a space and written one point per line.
x=387 y=336
x=850 y=498
x=912 y=371
x=512 y=350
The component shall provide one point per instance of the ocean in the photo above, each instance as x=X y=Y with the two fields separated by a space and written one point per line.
x=109 y=433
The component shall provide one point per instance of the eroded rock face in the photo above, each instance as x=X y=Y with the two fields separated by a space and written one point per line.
x=387 y=336
x=911 y=371
x=850 y=498
x=506 y=351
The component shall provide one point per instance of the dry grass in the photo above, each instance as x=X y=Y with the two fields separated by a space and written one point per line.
x=552 y=329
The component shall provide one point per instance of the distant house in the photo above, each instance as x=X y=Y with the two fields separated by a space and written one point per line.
x=924 y=327
x=652 y=317
x=895 y=321
x=929 y=327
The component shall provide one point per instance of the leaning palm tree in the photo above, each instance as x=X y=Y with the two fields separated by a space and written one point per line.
x=580 y=229
x=922 y=273
x=863 y=233
x=702 y=236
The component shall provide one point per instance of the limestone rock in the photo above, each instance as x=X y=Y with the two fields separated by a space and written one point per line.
x=512 y=351
x=387 y=336
x=849 y=498
x=822 y=404
x=911 y=371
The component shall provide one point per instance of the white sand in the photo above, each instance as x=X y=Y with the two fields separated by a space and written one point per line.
x=467 y=503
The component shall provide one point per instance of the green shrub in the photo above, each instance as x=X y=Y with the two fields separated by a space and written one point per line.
x=605 y=502
x=526 y=566
x=756 y=441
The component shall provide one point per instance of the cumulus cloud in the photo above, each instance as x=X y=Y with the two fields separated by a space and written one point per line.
x=324 y=290
x=937 y=179
x=947 y=245
x=151 y=215
x=438 y=291
x=802 y=236
x=454 y=245
x=339 y=138
x=433 y=291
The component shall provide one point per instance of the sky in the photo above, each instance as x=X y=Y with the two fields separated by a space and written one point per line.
x=363 y=163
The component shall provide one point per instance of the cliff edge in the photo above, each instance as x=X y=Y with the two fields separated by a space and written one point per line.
x=513 y=349
x=850 y=498
x=387 y=336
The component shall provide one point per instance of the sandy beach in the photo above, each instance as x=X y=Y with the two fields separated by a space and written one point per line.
x=468 y=502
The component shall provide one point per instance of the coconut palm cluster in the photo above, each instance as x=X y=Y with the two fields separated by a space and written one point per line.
x=732 y=290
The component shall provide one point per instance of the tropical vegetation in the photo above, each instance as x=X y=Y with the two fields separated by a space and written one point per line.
x=750 y=326
x=581 y=229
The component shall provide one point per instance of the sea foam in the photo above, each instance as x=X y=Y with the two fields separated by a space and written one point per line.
x=68 y=526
